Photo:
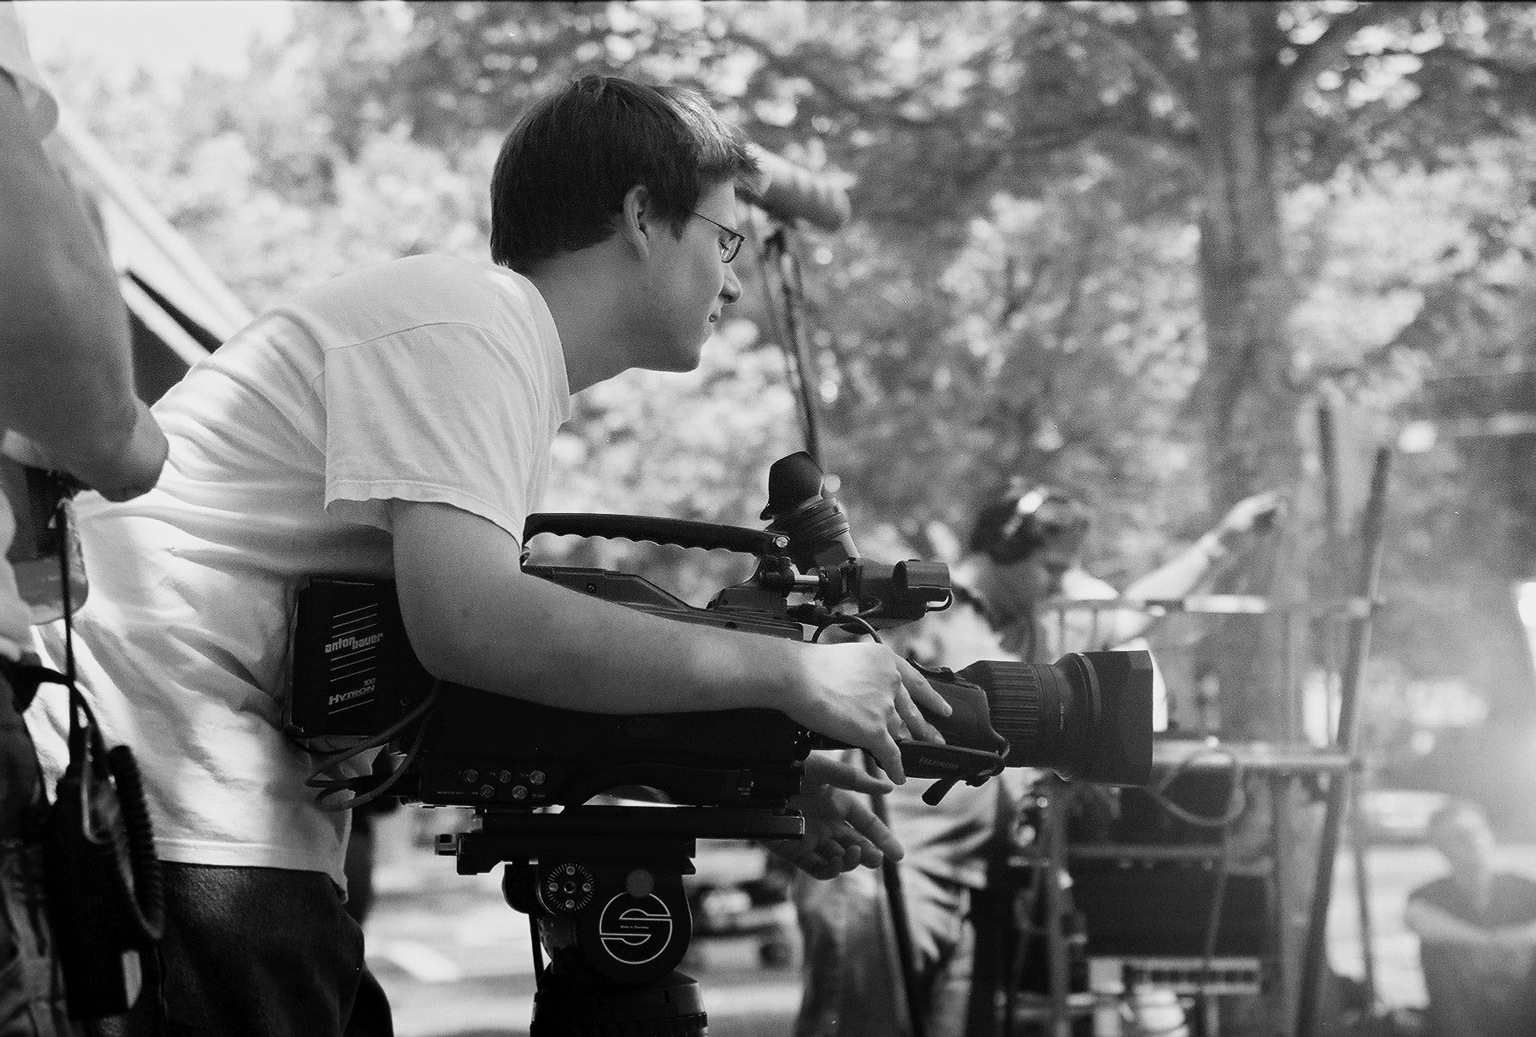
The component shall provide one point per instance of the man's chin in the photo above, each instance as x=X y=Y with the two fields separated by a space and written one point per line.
x=690 y=360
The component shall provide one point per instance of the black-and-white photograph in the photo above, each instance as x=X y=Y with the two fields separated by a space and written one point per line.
x=767 y=518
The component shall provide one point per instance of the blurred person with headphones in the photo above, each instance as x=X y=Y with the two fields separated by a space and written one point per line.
x=1024 y=557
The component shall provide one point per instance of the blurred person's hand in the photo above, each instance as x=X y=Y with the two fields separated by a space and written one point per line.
x=841 y=833
x=1252 y=516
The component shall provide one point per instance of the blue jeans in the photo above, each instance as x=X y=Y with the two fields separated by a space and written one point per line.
x=851 y=974
x=256 y=952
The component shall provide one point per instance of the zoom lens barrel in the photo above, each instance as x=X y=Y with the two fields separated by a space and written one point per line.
x=1086 y=716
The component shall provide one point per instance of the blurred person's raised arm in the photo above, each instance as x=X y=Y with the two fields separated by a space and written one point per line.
x=1195 y=568
x=66 y=376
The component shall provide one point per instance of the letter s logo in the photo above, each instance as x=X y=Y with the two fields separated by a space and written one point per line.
x=635 y=930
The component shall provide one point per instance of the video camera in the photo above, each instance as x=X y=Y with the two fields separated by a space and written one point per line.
x=609 y=877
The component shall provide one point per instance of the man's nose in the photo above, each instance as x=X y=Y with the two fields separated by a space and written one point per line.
x=731 y=290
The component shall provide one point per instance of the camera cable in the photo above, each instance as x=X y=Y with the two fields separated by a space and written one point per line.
x=105 y=888
x=329 y=787
x=1237 y=805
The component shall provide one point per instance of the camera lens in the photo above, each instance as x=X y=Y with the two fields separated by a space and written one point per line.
x=1086 y=716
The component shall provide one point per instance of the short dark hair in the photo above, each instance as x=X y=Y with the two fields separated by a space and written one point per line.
x=1007 y=529
x=564 y=169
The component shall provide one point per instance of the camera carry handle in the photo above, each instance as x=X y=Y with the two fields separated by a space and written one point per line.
x=708 y=536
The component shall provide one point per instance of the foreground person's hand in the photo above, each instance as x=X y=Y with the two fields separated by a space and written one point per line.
x=866 y=696
x=841 y=833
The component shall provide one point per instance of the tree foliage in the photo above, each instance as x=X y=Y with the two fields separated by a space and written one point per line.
x=1025 y=287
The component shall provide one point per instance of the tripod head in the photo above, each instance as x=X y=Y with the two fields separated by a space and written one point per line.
x=603 y=887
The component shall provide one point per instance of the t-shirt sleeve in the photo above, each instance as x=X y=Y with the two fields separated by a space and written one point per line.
x=442 y=413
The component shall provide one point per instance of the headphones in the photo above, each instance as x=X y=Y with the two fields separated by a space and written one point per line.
x=1012 y=528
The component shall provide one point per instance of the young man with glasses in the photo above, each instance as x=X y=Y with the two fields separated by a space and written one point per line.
x=396 y=422
x=1025 y=553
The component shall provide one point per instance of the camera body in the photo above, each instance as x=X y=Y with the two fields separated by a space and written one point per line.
x=355 y=677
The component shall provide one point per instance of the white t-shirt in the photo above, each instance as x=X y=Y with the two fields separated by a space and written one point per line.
x=15 y=61
x=424 y=379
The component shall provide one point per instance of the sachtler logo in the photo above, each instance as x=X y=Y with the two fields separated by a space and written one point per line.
x=635 y=930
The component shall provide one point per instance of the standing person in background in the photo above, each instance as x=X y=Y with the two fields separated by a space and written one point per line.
x=1025 y=554
x=66 y=403
x=1477 y=933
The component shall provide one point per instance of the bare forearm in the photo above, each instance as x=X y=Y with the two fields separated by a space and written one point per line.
x=523 y=636
x=476 y=618
x=64 y=358
x=1184 y=574
x=66 y=380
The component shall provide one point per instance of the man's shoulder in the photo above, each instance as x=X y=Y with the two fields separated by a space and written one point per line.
x=427 y=269
x=417 y=291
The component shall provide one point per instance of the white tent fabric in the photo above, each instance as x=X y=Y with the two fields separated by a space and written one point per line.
x=164 y=282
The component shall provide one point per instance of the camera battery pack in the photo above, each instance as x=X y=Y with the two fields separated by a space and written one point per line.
x=354 y=672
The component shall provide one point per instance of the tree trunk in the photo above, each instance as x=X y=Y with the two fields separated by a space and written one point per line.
x=1253 y=413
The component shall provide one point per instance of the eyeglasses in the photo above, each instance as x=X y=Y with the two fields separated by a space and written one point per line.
x=730 y=244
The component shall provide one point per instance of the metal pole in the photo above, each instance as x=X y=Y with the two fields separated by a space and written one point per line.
x=1359 y=838
x=901 y=926
x=810 y=383
x=1057 y=800
x=1315 y=952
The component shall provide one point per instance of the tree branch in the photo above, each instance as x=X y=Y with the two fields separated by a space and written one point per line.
x=1171 y=78
x=1312 y=57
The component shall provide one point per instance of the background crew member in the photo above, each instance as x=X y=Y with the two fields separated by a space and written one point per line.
x=1025 y=552
x=1477 y=933
x=67 y=403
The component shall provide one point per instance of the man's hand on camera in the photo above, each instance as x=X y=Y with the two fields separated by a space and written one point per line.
x=841 y=833
x=121 y=472
x=866 y=696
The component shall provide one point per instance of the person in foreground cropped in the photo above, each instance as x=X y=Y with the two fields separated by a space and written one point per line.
x=1024 y=557
x=67 y=403
x=1477 y=933
x=396 y=422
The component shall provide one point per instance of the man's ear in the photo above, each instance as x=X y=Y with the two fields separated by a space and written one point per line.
x=637 y=224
